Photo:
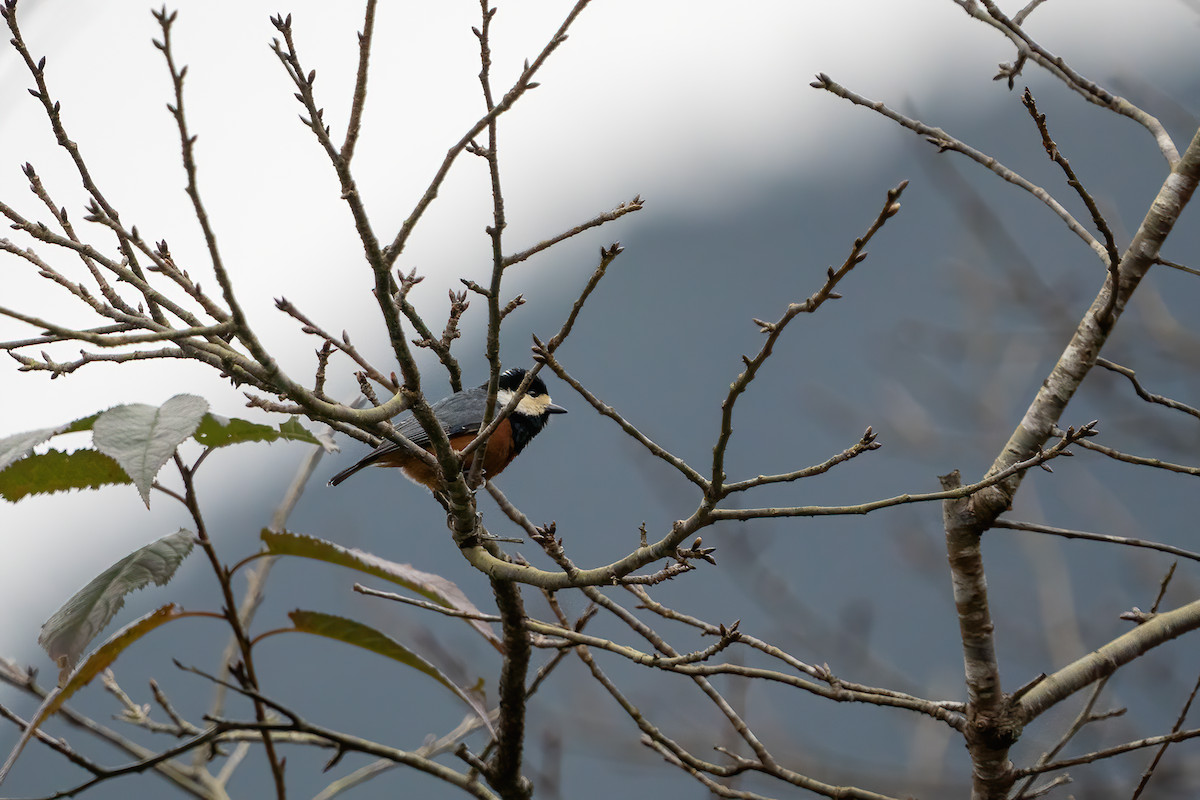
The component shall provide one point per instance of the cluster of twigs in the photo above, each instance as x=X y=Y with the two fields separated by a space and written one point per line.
x=151 y=308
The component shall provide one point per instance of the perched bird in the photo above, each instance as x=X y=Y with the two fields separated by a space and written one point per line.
x=461 y=416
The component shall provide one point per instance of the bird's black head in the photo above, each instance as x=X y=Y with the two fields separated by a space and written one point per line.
x=534 y=409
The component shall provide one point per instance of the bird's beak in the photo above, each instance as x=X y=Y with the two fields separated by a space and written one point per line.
x=553 y=409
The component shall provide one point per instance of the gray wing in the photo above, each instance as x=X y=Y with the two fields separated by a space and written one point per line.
x=459 y=413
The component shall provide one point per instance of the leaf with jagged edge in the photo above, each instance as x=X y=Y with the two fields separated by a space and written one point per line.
x=98 y=660
x=217 y=431
x=142 y=438
x=368 y=638
x=83 y=423
x=56 y=471
x=15 y=447
x=71 y=629
x=434 y=587
x=23 y=474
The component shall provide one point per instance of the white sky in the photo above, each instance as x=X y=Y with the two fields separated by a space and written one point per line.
x=688 y=103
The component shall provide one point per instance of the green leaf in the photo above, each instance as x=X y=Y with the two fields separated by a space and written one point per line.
x=215 y=431
x=69 y=631
x=434 y=587
x=142 y=438
x=56 y=471
x=368 y=638
x=23 y=474
x=292 y=429
x=82 y=424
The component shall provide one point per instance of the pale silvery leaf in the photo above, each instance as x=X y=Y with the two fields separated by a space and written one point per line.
x=142 y=438
x=19 y=445
x=67 y=633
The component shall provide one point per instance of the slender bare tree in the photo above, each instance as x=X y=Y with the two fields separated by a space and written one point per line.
x=146 y=306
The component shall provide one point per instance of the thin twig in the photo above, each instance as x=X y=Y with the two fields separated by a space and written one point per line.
x=944 y=141
x=1088 y=89
x=237 y=315
x=864 y=445
x=1105 y=315
x=1141 y=461
x=636 y=204
x=1038 y=459
x=1099 y=755
x=354 y=126
x=233 y=617
x=1142 y=393
x=655 y=449
x=449 y=612
x=1173 y=265
x=1148 y=773
x=716 y=490
x=1083 y=718
x=343 y=344
x=1017 y=525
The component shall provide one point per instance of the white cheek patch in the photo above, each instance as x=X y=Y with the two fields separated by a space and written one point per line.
x=529 y=406
x=533 y=406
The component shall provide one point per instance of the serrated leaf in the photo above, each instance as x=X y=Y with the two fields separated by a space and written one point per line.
x=142 y=438
x=292 y=429
x=216 y=431
x=82 y=424
x=100 y=659
x=368 y=638
x=56 y=471
x=15 y=447
x=103 y=656
x=434 y=587
x=70 y=629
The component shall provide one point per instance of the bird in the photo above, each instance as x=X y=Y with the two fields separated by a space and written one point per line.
x=461 y=417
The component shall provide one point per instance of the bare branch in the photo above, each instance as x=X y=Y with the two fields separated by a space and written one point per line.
x=864 y=445
x=360 y=84
x=1099 y=755
x=53 y=109
x=60 y=216
x=1016 y=525
x=1106 y=660
x=1142 y=393
x=1090 y=335
x=343 y=344
x=1162 y=750
x=523 y=83
x=1083 y=718
x=774 y=329
x=1141 y=461
x=1110 y=246
x=1059 y=449
x=621 y=210
x=1056 y=66
x=608 y=411
x=191 y=781
x=944 y=141
x=838 y=689
x=1173 y=265
x=238 y=316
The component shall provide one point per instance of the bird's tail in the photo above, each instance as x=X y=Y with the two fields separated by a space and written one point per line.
x=346 y=473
